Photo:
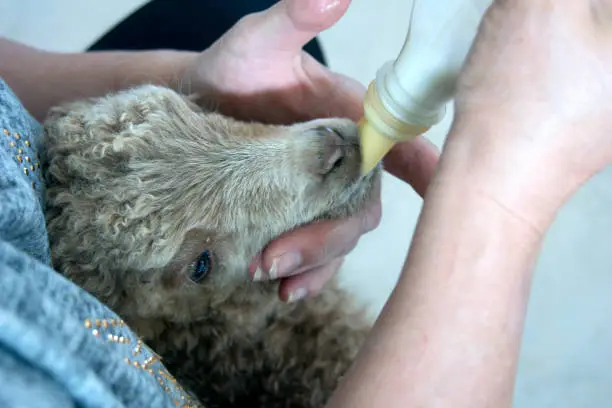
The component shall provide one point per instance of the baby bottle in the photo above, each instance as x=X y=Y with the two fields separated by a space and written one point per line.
x=409 y=94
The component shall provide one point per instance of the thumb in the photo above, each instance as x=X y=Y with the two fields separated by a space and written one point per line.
x=290 y=24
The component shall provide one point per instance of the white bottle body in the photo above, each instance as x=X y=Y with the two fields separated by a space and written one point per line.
x=417 y=85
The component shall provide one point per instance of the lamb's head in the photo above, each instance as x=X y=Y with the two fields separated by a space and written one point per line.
x=157 y=206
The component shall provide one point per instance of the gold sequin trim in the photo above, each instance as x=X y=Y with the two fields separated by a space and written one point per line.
x=165 y=379
x=138 y=348
x=26 y=171
x=166 y=375
x=27 y=143
x=19 y=159
x=6 y=132
x=17 y=136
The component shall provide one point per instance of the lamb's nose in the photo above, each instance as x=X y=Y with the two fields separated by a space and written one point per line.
x=333 y=150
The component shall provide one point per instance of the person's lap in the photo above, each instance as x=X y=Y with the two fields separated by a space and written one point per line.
x=51 y=338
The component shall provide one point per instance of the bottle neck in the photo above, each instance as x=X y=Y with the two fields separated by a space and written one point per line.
x=392 y=123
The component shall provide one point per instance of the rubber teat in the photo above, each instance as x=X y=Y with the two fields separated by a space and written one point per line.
x=374 y=146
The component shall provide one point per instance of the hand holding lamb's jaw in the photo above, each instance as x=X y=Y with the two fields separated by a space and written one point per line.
x=307 y=258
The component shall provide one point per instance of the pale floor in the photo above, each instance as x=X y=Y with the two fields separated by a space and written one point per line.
x=566 y=360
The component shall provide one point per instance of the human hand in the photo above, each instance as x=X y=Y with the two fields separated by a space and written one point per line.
x=533 y=102
x=258 y=71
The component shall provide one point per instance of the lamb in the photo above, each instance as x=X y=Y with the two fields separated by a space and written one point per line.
x=156 y=206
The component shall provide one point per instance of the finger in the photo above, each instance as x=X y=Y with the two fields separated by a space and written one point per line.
x=291 y=24
x=349 y=90
x=305 y=248
x=347 y=97
x=336 y=95
x=313 y=245
x=308 y=283
x=414 y=162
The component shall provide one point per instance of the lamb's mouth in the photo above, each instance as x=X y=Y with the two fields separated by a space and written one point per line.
x=368 y=180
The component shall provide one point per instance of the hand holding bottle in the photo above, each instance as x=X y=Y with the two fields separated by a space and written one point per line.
x=533 y=122
x=538 y=87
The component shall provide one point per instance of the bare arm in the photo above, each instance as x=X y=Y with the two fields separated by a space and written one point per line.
x=42 y=79
x=451 y=331
x=450 y=334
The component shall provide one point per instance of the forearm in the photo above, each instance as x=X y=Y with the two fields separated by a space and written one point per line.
x=451 y=331
x=43 y=79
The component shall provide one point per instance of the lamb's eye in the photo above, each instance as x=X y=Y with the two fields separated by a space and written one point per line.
x=202 y=266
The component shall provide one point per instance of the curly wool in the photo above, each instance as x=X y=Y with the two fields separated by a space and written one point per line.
x=140 y=182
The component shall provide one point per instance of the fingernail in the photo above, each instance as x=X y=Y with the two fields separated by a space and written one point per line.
x=258 y=276
x=285 y=264
x=298 y=294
